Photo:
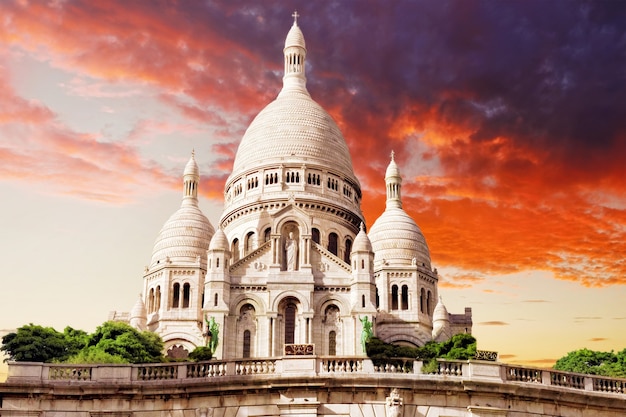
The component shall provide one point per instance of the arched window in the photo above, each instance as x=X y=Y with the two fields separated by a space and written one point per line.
x=405 y=298
x=363 y=301
x=315 y=235
x=249 y=242
x=217 y=263
x=332 y=343
x=332 y=243
x=377 y=299
x=422 y=300
x=157 y=303
x=428 y=303
x=186 y=295
x=235 y=250
x=215 y=300
x=290 y=323
x=246 y=344
x=175 y=295
x=267 y=234
x=346 y=256
x=151 y=300
x=394 y=297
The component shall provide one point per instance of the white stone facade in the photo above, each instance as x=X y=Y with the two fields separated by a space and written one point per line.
x=290 y=262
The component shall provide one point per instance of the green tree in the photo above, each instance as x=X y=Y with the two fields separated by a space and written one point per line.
x=460 y=346
x=587 y=361
x=92 y=354
x=124 y=341
x=34 y=343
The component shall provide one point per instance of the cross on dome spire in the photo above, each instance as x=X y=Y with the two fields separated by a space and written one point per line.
x=295 y=17
x=392 y=155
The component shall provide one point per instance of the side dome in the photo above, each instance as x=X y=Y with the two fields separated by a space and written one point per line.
x=396 y=238
x=185 y=236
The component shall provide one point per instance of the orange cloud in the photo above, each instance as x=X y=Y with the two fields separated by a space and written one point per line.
x=38 y=148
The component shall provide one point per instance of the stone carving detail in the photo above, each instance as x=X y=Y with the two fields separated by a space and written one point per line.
x=260 y=266
x=323 y=267
x=299 y=349
x=394 y=404
x=486 y=355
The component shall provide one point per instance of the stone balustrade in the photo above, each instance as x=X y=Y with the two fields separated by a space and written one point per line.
x=215 y=370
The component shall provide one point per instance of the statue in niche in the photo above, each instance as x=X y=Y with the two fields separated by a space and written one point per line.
x=212 y=334
x=366 y=333
x=291 y=252
x=332 y=315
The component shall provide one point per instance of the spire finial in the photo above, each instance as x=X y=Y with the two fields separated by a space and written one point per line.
x=392 y=155
x=295 y=17
x=362 y=226
x=193 y=153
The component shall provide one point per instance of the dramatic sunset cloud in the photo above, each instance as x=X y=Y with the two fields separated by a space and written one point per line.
x=507 y=119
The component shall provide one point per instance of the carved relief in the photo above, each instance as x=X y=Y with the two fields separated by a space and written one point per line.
x=394 y=404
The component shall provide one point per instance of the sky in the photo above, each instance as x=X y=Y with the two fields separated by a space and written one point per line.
x=507 y=118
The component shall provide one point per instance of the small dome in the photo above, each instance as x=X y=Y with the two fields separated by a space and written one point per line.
x=138 y=315
x=441 y=312
x=219 y=241
x=139 y=309
x=184 y=237
x=362 y=242
x=295 y=37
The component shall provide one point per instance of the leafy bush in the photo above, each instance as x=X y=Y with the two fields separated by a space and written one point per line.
x=201 y=353
x=460 y=346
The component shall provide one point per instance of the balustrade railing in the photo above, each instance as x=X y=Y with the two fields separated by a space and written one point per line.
x=341 y=365
x=206 y=369
x=609 y=385
x=157 y=372
x=448 y=368
x=322 y=366
x=563 y=379
x=254 y=367
x=519 y=374
x=394 y=366
x=75 y=373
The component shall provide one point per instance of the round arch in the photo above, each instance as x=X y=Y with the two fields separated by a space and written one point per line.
x=304 y=302
x=242 y=299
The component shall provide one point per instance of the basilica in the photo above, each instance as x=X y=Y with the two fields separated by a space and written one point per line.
x=291 y=267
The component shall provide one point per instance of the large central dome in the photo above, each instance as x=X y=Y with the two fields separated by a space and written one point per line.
x=293 y=149
x=293 y=128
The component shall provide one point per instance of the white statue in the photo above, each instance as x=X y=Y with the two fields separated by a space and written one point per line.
x=291 y=252
x=394 y=404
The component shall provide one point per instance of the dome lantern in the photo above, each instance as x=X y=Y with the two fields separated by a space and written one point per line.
x=295 y=56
